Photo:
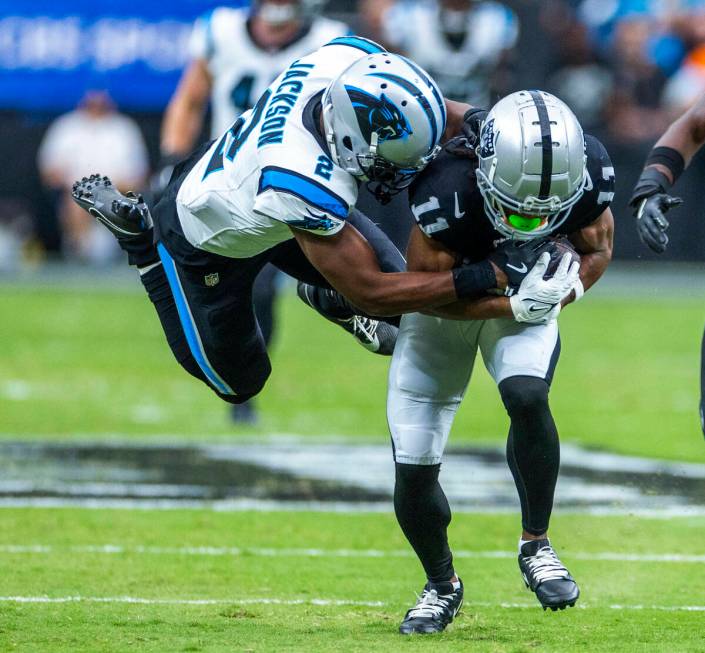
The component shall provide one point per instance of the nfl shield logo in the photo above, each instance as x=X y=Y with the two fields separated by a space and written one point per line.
x=211 y=279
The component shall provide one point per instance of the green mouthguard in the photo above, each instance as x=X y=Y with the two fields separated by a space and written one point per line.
x=522 y=223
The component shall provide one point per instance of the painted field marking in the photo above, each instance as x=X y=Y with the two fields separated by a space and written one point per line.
x=233 y=551
x=317 y=602
x=146 y=601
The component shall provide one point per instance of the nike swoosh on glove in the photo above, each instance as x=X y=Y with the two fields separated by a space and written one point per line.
x=538 y=300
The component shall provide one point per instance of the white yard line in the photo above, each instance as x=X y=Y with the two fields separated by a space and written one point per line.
x=146 y=601
x=233 y=551
x=344 y=507
x=316 y=602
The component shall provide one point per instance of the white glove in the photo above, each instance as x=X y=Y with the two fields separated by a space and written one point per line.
x=538 y=300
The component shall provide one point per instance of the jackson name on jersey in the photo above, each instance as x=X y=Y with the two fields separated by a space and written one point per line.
x=240 y=69
x=271 y=169
x=449 y=208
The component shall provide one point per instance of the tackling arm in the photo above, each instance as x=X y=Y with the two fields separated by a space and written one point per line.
x=184 y=115
x=349 y=264
x=426 y=255
x=594 y=244
x=454 y=125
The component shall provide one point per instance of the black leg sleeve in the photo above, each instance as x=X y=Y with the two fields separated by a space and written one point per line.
x=424 y=514
x=533 y=449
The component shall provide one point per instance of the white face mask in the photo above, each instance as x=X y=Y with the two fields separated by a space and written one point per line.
x=278 y=14
x=454 y=21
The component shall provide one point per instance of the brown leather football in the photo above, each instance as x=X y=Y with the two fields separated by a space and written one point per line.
x=558 y=246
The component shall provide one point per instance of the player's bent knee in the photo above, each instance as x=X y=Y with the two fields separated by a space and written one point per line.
x=416 y=476
x=524 y=394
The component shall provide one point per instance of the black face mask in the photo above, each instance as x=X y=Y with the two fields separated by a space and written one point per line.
x=386 y=180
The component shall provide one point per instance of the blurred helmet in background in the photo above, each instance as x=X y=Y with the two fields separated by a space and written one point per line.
x=383 y=119
x=454 y=15
x=281 y=12
x=532 y=164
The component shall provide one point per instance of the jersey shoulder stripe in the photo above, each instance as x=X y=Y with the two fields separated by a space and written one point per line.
x=305 y=188
x=367 y=46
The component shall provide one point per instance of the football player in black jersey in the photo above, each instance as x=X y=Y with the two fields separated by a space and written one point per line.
x=533 y=174
x=651 y=199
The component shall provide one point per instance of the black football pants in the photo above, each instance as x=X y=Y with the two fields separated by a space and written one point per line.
x=206 y=309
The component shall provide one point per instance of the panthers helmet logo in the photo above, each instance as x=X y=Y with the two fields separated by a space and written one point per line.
x=378 y=114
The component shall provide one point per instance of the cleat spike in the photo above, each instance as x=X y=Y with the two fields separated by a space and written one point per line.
x=125 y=217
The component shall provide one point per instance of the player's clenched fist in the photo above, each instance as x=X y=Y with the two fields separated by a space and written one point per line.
x=538 y=300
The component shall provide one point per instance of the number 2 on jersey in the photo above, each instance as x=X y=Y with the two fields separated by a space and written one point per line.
x=324 y=167
x=239 y=133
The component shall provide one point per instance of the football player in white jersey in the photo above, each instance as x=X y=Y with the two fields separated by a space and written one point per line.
x=236 y=53
x=280 y=186
x=459 y=42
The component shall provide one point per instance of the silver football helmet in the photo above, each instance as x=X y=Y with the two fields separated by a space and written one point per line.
x=383 y=119
x=532 y=164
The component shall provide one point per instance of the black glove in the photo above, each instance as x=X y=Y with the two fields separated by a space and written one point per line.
x=650 y=201
x=651 y=223
x=466 y=142
x=516 y=258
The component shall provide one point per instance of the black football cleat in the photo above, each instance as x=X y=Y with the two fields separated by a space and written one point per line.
x=127 y=216
x=546 y=576
x=376 y=336
x=437 y=606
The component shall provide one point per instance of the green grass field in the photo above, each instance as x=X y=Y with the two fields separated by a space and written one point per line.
x=94 y=365
x=91 y=364
x=626 y=606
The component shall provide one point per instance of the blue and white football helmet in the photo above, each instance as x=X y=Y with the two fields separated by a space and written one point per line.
x=384 y=118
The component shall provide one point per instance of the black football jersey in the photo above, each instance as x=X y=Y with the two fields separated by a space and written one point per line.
x=448 y=206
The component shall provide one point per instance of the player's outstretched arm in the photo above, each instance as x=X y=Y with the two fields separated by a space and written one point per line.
x=665 y=163
x=349 y=264
x=686 y=135
x=183 y=119
x=594 y=244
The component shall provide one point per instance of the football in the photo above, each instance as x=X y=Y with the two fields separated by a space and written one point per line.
x=557 y=246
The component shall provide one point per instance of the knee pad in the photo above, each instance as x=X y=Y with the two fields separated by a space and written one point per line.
x=524 y=394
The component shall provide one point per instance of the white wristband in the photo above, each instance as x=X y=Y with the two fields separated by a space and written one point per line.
x=579 y=290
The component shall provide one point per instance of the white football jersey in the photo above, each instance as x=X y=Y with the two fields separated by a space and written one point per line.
x=240 y=69
x=272 y=170
x=462 y=74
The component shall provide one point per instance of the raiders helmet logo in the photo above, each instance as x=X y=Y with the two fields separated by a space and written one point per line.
x=211 y=279
x=378 y=114
x=487 y=138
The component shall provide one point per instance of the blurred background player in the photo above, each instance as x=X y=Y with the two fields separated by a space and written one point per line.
x=651 y=199
x=236 y=54
x=92 y=137
x=462 y=43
